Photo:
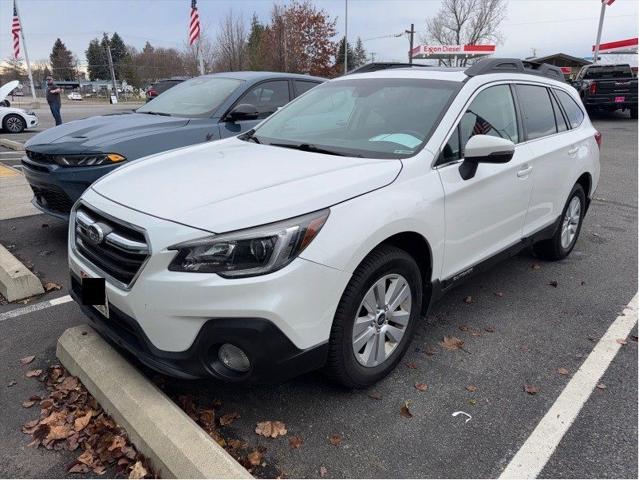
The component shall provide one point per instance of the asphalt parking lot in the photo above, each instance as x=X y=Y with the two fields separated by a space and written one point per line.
x=520 y=322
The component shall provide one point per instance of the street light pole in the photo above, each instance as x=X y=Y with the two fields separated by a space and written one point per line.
x=601 y=21
x=26 y=55
x=411 y=32
x=346 y=37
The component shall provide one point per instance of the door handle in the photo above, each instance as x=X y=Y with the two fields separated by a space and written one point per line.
x=573 y=150
x=525 y=172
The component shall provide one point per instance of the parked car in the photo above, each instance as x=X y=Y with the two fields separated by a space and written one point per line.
x=60 y=163
x=162 y=86
x=14 y=120
x=74 y=96
x=608 y=88
x=320 y=237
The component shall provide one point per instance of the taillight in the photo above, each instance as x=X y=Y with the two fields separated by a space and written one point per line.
x=593 y=88
x=598 y=139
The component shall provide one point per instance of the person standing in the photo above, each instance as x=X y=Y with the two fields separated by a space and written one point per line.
x=53 y=99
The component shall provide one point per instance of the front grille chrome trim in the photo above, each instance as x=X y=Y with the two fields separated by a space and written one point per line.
x=80 y=220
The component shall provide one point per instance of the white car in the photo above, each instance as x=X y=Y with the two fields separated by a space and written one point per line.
x=74 y=96
x=14 y=120
x=321 y=237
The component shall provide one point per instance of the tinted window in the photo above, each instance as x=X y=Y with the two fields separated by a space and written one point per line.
x=268 y=97
x=368 y=117
x=492 y=112
x=575 y=114
x=559 y=117
x=537 y=112
x=302 y=86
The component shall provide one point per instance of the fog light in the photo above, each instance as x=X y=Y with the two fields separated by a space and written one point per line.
x=234 y=358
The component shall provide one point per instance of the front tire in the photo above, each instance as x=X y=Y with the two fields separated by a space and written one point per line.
x=13 y=123
x=563 y=241
x=376 y=318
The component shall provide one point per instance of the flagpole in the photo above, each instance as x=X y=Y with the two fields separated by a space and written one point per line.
x=601 y=21
x=24 y=46
x=199 y=54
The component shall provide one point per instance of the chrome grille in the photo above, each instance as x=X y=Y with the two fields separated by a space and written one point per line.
x=116 y=249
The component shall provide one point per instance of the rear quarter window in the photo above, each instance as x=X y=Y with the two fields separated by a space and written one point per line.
x=573 y=111
x=537 y=112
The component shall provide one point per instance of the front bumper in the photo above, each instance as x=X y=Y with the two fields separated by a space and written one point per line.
x=175 y=321
x=32 y=121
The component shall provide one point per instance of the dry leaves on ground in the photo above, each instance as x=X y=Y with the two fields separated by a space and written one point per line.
x=422 y=387
x=451 y=343
x=602 y=386
x=563 y=371
x=404 y=411
x=531 y=389
x=412 y=365
x=471 y=388
x=51 y=286
x=375 y=395
x=323 y=471
x=295 y=441
x=229 y=418
x=335 y=439
x=271 y=428
x=26 y=360
x=71 y=419
x=33 y=373
x=255 y=457
x=489 y=329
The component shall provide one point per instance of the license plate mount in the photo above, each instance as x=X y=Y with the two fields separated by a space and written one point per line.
x=94 y=293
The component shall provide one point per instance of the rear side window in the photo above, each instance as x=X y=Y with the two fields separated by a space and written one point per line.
x=302 y=86
x=268 y=97
x=537 y=112
x=559 y=117
x=575 y=114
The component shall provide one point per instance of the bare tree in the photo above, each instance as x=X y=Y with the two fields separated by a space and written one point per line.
x=190 y=56
x=466 y=22
x=230 y=47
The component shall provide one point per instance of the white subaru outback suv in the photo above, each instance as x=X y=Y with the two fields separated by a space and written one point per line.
x=321 y=237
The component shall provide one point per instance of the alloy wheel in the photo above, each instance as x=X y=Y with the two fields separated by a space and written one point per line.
x=571 y=222
x=13 y=124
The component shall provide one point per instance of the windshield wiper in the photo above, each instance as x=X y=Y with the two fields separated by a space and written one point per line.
x=250 y=135
x=309 y=147
x=156 y=113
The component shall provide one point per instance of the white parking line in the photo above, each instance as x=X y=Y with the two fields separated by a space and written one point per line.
x=35 y=307
x=536 y=451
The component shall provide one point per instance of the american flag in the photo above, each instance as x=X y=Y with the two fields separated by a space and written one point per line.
x=608 y=2
x=194 y=25
x=15 y=30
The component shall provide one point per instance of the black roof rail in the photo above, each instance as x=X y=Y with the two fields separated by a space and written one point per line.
x=514 y=65
x=376 y=66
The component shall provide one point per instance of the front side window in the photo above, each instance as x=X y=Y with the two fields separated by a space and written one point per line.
x=195 y=98
x=492 y=112
x=537 y=112
x=575 y=114
x=371 y=118
x=267 y=97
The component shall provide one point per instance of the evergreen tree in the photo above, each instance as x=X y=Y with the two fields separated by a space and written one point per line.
x=62 y=62
x=339 y=57
x=359 y=54
x=118 y=53
x=97 y=61
x=255 y=45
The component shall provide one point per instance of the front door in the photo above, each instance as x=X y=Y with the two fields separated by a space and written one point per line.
x=484 y=214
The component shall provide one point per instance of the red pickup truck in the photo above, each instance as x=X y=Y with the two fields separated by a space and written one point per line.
x=607 y=88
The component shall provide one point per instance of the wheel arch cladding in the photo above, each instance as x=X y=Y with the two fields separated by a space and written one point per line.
x=585 y=180
x=417 y=247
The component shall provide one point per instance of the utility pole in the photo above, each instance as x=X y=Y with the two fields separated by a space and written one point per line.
x=26 y=55
x=601 y=21
x=411 y=32
x=110 y=58
x=346 y=37
x=373 y=57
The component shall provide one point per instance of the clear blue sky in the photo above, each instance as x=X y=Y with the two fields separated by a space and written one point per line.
x=548 y=26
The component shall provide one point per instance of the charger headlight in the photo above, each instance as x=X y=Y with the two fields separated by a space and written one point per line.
x=88 y=159
x=250 y=252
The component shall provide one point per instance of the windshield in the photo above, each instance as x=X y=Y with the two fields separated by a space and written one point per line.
x=594 y=73
x=372 y=118
x=198 y=97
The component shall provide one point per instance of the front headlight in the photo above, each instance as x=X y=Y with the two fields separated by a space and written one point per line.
x=250 y=252
x=88 y=159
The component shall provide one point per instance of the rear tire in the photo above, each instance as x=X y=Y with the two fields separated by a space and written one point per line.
x=369 y=336
x=13 y=123
x=633 y=113
x=563 y=241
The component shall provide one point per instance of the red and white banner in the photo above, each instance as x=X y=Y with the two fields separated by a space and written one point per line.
x=629 y=45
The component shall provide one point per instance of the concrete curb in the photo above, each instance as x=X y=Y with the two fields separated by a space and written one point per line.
x=177 y=447
x=12 y=144
x=16 y=280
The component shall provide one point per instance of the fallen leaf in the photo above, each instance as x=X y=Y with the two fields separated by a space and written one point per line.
x=489 y=329
x=81 y=422
x=99 y=469
x=207 y=417
x=27 y=360
x=621 y=341
x=422 y=387
x=138 y=471
x=562 y=371
x=451 y=343
x=270 y=428
x=553 y=283
x=498 y=294
x=79 y=468
x=404 y=411
x=235 y=444
x=229 y=418
x=255 y=457
x=323 y=471
x=46 y=403
x=535 y=266
x=475 y=333
x=11 y=383
x=34 y=373
x=471 y=388
x=429 y=351
x=531 y=389
x=59 y=432
x=28 y=403
x=335 y=439
x=375 y=396
x=464 y=328
x=295 y=441
x=86 y=457
x=51 y=286
x=472 y=402
x=117 y=443
x=601 y=386
x=412 y=365
x=468 y=299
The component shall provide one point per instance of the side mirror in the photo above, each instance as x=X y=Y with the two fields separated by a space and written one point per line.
x=243 y=111
x=485 y=149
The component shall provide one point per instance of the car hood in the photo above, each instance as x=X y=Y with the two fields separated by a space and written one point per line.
x=7 y=88
x=232 y=184
x=95 y=134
